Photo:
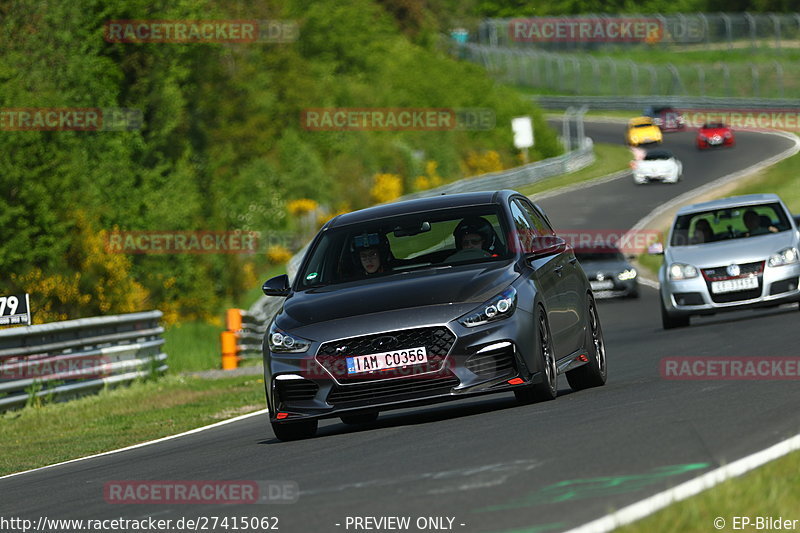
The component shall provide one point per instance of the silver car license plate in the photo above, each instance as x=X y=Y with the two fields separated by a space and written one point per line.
x=733 y=285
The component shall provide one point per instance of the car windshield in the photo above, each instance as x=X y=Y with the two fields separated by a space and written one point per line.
x=729 y=223
x=655 y=156
x=643 y=125
x=713 y=125
x=418 y=241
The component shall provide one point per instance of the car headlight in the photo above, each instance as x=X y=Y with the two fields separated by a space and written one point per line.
x=627 y=274
x=281 y=342
x=703 y=137
x=682 y=271
x=727 y=135
x=787 y=256
x=500 y=307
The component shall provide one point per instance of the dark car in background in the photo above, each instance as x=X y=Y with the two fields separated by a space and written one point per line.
x=610 y=273
x=428 y=300
x=667 y=118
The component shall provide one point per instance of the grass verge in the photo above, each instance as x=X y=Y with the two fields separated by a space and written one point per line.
x=35 y=437
x=769 y=491
x=610 y=158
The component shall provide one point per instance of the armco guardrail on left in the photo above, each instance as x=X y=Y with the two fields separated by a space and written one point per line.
x=62 y=359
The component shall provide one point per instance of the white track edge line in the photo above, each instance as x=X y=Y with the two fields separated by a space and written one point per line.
x=694 y=486
x=141 y=444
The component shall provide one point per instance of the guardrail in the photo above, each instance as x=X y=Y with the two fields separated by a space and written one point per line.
x=266 y=307
x=681 y=102
x=62 y=359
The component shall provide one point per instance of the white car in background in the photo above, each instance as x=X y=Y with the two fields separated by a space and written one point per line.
x=657 y=165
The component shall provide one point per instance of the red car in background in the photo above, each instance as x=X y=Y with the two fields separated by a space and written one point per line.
x=714 y=134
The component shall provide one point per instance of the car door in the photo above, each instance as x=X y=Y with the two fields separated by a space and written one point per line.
x=570 y=299
x=543 y=273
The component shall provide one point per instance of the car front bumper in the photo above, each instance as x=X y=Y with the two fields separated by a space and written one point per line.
x=469 y=361
x=776 y=285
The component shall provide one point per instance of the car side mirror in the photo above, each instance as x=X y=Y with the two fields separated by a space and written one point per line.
x=545 y=246
x=277 y=286
x=656 y=249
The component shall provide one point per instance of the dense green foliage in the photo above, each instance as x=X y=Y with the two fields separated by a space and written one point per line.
x=221 y=146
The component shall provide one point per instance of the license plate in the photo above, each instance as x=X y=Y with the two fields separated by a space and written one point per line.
x=602 y=285
x=714 y=141
x=386 y=360
x=733 y=285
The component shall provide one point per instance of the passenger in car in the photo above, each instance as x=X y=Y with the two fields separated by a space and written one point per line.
x=702 y=232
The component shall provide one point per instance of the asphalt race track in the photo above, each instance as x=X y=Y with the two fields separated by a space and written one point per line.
x=486 y=462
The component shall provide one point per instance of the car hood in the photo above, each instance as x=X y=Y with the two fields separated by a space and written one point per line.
x=444 y=289
x=591 y=268
x=714 y=131
x=745 y=250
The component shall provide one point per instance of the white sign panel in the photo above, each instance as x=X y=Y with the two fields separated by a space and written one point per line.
x=523 y=132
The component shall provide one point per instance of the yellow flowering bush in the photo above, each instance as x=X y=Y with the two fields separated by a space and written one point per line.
x=483 y=163
x=277 y=254
x=430 y=179
x=386 y=187
x=301 y=206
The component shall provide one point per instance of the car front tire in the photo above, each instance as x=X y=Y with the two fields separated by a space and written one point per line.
x=547 y=388
x=594 y=373
x=671 y=322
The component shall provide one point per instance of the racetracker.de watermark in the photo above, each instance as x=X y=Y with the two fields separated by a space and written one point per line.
x=201 y=31
x=587 y=240
x=746 y=119
x=730 y=368
x=66 y=367
x=182 y=242
x=70 y=119
x=214 y=492
x=586 y=29
x=397 y=119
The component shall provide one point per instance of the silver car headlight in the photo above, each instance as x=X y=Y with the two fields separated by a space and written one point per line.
x=281 y=342
x=627 y=274
x=787 y=256
x=679 y=271
x=500 y=307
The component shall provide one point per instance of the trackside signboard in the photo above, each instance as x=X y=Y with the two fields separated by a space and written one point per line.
x=15 y=310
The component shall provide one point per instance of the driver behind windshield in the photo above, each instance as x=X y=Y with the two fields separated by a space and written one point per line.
x=474 y=237
x=371 y=253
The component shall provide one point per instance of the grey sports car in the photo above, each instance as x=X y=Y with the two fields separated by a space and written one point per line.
x=429 y=300
x=729 y=254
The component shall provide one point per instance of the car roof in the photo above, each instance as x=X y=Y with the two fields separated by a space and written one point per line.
x=733 y=201
x=419 y=205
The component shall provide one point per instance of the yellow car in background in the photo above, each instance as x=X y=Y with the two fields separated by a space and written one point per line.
x=642 y=130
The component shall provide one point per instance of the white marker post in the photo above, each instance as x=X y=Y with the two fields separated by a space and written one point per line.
x=523 y=134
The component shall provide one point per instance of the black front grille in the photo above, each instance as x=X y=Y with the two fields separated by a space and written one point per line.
x=737 y=296
x=492 y=363
x=437 y=341
x=721 y=273
x=292 y=390
x=372 y=392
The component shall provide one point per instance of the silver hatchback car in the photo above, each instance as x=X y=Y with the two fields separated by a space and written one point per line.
x=729 y=254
